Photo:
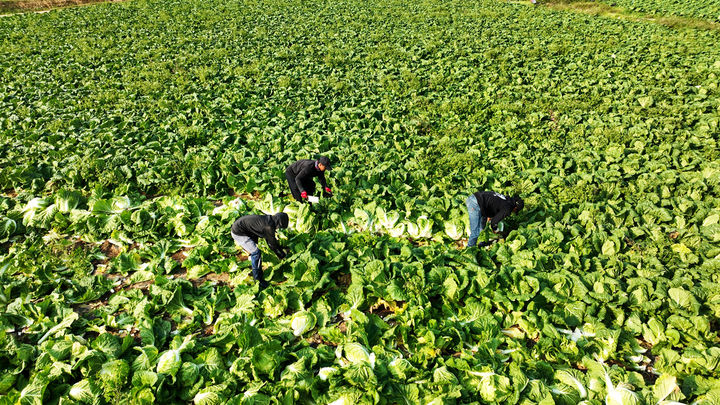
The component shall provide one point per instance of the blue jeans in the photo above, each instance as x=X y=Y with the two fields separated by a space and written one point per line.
x=256 y=263
x=250 y=246
x=477 y=220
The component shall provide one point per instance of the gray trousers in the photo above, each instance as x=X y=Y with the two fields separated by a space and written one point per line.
x=245 y=242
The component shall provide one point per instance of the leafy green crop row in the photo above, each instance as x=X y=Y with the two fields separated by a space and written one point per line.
x=207 y=104
x=133 y=134
x=357 y=315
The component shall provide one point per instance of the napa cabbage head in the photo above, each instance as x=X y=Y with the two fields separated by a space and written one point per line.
x=268 y=206
x=209 y=396
x=82 y=391
x=356 y=353
x=398 y=230
x=455 y=229
x=39 y=212
x=170 y=361
x=113 y=375
x=420 y=229
x=363 y=219
x=620 y=394
x=67 y=201
x=346 y=398
x=325 y=372
x=302 y=322
x=302 y=220
x=401 y=368
x=387 y=219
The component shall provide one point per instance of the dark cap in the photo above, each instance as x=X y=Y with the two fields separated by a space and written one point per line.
x=325 y=161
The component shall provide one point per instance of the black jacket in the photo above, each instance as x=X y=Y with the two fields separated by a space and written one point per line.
x=494 y=205
x=261 y=226
x=303 y=171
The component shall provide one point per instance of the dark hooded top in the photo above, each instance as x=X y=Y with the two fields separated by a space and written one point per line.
x=261 y=226
x=303 y=171
x=494 y=205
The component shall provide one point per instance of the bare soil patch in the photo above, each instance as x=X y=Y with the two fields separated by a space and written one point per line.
x=181 y=255
x=80 y=244
x=222 y=278
x=316 y=340
x=218 y=278
x=255 y=196
x=110 y=250
x=42 y=6
x=140 y=285
x=460 y=244
x=604 y=10
x=342 y=280
x=382 y=310
x=645 y=344
x=84 y=309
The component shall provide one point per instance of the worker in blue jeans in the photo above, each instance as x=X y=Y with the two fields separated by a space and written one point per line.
x=489 y=205
x=246 y=232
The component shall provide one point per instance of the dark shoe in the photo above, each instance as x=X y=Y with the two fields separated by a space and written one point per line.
x=262 y=285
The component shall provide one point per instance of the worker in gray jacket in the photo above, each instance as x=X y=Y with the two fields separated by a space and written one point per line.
x=246 y=232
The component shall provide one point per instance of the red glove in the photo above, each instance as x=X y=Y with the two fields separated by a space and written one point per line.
x=303 y=194
x=328 y=189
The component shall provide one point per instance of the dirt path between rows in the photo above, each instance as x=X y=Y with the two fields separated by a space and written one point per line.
x=15 y=7
x=604 y=10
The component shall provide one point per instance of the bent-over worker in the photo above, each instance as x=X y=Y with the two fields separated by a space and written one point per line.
x=489 y=205
x=245 y=232
x=300 y=177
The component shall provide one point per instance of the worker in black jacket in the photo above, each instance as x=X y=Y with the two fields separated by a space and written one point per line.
x=246 y=230
x=489 y=205
x=300 y=177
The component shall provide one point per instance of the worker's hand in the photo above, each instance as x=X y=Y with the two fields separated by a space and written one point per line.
x=328 y=192
x=304 y=195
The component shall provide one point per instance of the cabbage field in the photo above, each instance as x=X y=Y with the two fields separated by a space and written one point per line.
x=133 y=134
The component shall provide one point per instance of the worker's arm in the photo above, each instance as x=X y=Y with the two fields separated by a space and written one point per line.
x=269 y=236
x=323 y=183
x=497 y=218
x=304 y=174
